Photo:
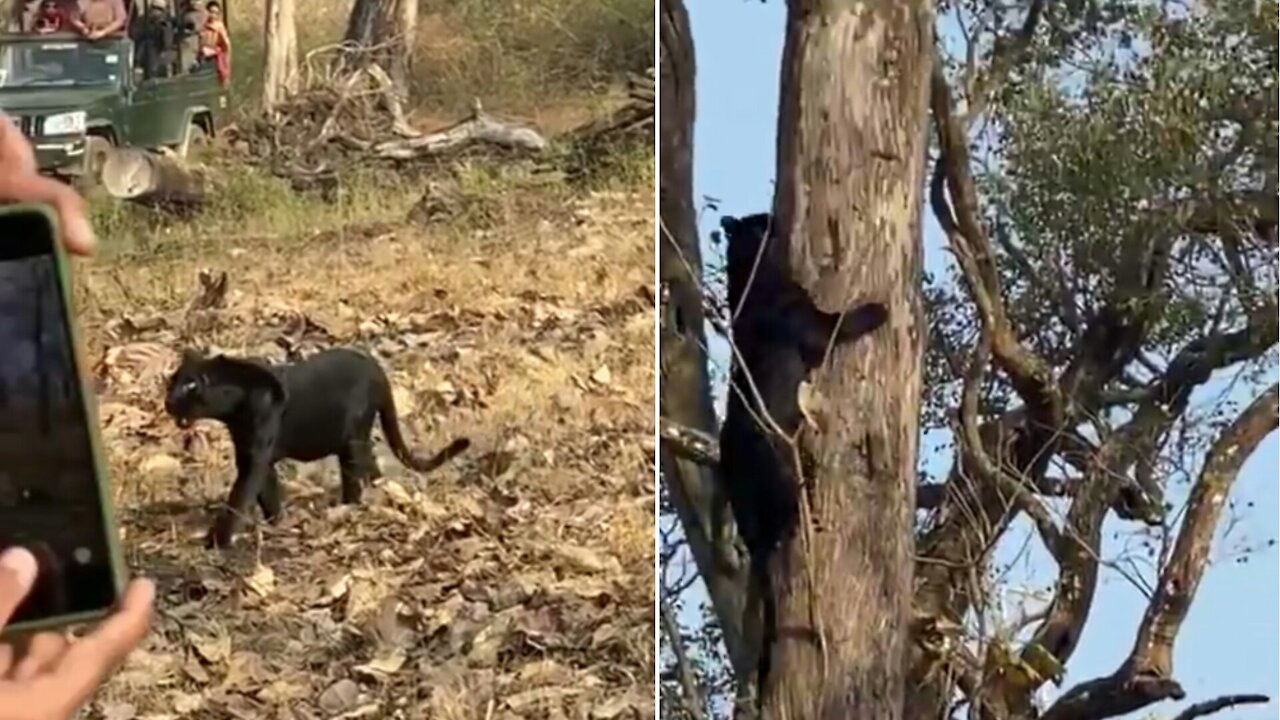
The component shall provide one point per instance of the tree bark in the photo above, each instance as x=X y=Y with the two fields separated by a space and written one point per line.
x=852 y=140
x=686 y=386
x=382 y=32
x=280 y=41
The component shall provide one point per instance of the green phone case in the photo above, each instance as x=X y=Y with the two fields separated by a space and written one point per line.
x=115 y=555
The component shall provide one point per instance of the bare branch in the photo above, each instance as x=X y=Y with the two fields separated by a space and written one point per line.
x=1146 y=676
x=1008 y=52
x=685 y=387
x=1030 y=375
x=1112 y=696
x=691 y=695
x=1209 y=707
x=1181 y=577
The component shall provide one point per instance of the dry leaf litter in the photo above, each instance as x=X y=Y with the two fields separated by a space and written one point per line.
x=516 y=582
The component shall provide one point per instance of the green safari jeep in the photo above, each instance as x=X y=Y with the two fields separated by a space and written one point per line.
x=76 y=98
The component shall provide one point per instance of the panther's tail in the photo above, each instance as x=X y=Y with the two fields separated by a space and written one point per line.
x=391 y=430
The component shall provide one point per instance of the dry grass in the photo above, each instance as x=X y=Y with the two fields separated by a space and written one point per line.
x=511 y=54
x=514 y=582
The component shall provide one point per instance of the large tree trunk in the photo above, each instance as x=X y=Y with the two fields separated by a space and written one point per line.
x=280 y=73
x=852 y=142
x=686 y=386
x=383 y=32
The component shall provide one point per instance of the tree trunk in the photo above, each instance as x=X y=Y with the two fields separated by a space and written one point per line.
x=852 y=141
x=280 y=74
x=383 y=32
x=686 y=385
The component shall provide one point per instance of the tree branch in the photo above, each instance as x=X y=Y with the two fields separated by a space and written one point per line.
x=1030 y=375
x=1181 y=577
x=976 y=511
x=685 y=388
x=1006 y=54
x=691 y=701
x=1209 y=707
x=696 y=445
x=1146 y=676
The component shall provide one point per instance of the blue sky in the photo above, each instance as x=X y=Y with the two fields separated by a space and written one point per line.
x=1229 y=642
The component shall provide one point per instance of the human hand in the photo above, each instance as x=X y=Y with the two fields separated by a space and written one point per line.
x=20 y=182
x=49 y=675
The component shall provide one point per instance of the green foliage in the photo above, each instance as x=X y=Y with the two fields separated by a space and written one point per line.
x=1097 y=160
x=1090 y=178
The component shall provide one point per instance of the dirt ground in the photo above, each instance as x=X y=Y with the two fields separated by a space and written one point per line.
x=517 y=581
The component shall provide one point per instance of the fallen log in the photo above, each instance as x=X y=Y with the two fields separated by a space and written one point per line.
x=479 y=128
x=151 y=179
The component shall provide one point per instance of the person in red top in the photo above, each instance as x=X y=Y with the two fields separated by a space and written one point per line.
x=215 y=41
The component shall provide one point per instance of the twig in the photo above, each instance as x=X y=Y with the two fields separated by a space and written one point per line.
x=692 y=695
x=1209 y=707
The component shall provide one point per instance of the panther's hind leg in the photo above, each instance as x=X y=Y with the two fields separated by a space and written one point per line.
x=358 y=466
x=367 y=458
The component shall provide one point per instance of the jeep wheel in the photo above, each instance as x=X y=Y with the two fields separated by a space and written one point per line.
x=195 y=142
x=96 y=149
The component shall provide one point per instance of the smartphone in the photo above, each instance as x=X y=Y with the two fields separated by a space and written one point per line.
x=55 y=496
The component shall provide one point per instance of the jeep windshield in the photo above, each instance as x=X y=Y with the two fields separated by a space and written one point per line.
x=59 y=64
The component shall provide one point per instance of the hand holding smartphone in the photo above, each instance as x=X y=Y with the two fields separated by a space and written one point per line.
x=48 y=677
x=55 y=497
x=43 y=677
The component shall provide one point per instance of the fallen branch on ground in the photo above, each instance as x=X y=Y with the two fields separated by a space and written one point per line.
x=479 y=128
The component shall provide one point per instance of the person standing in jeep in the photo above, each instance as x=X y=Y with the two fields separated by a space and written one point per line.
x=100 y=18
x=215 y=41
x=155 y=42
x=52 y=17
x=193 y=22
